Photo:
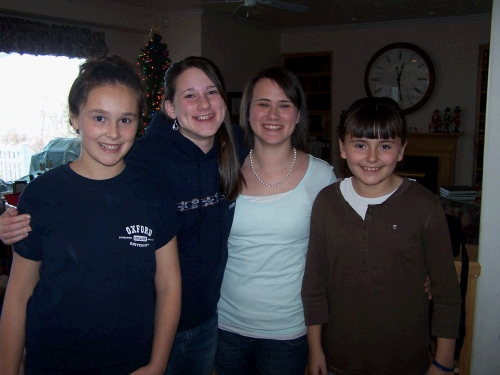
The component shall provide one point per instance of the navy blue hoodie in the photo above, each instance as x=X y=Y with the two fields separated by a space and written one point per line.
x=205 y=215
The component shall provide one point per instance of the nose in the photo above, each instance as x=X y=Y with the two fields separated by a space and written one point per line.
x=113 y=131
x=203 y=102
x=372 y=155
x=273 y=112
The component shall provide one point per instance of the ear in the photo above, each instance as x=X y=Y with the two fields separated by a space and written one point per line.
x=402 y=152
x=298 y=118
x=342 y=149
x=74 y=122
x=169 y=108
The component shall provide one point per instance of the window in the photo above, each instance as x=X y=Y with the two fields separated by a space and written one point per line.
x=33 y=107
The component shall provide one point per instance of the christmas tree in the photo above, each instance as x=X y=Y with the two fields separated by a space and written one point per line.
x=153 y=62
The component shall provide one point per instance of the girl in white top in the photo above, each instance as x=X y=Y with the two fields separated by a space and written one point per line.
x=261 y=321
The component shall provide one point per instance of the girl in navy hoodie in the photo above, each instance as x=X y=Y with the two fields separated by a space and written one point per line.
x=190 y=144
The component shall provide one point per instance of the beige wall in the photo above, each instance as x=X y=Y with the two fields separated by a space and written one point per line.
x=182 y=33
x=230 y=43
x=239 y=48
x=452 y=44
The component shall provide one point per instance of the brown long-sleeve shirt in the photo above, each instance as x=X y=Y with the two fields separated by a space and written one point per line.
x=364 y=281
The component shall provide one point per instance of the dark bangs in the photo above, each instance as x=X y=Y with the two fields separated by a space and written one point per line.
x=373 y=118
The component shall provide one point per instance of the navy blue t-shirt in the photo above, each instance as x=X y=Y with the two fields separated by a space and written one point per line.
x=93 y=307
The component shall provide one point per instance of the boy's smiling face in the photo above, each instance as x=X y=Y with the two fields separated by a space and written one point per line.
x=372 y=163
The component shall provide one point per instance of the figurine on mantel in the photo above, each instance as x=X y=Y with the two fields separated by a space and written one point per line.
x=456 y=119
x=447 y=119
x=436 y=121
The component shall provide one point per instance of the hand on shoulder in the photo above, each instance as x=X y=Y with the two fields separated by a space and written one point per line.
x=13 y=227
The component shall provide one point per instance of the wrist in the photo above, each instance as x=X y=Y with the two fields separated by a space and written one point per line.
x=441 y=367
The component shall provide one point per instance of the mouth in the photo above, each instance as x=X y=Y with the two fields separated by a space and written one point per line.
x=109 y=147
x=205 y=117
x=272 y=126
x=371 y=169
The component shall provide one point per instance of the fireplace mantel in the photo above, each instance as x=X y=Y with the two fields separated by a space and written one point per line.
x=440 y=145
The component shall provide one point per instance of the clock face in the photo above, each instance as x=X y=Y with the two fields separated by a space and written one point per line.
x=403 y=72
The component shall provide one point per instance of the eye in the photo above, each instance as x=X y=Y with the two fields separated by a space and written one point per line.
x=359 y=145
x=263 y=104
x=213 y=92
x=385 y=147
x=189 y=96
x=99 y=118
x=126 y=121
x=285 y=105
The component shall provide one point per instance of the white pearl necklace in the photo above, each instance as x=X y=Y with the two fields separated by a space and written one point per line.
x=279 y=183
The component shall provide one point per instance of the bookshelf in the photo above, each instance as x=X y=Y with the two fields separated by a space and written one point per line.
x=482 y=84
x=314 y=71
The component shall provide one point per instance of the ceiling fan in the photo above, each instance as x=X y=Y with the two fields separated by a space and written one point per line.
x=252 y=3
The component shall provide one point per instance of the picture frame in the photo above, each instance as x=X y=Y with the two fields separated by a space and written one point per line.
x=233 y=105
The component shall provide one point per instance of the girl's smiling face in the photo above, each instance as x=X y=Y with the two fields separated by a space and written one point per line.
x=272 y=115
x=107 y=125
x=198 y=107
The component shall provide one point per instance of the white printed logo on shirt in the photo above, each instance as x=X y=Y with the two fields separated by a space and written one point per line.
x=138 y=235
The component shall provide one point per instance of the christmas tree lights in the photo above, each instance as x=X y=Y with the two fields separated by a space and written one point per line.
x=153 y=62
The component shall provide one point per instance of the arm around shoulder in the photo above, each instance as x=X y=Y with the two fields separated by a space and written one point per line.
x=316 y=274
x=443 y=277
x=13 y=227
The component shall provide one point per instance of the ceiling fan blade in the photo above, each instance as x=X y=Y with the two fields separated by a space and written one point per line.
x=237 y=9
x=214 y=2
x=284 y=6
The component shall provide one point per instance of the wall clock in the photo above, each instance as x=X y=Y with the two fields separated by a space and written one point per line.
x=403 y=72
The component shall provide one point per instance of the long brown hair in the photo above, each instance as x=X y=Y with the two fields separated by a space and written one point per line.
x=229 y=166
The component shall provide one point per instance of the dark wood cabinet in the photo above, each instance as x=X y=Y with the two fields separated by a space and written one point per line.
x=314 y=71
x=482 y=89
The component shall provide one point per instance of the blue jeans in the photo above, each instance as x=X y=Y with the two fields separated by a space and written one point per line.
x=242 y=355
x=193 y=351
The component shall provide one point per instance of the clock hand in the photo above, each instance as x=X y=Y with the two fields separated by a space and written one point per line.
x=399 y=83
x=398 y=78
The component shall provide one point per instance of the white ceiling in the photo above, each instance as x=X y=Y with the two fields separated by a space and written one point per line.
x=328 y=12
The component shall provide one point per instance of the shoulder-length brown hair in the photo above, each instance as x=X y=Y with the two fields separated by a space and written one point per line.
x=292 y=88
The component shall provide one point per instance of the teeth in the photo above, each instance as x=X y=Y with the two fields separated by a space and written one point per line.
x=206 y=117
x=371 y=169
x=273 y=127
x=109 y=147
